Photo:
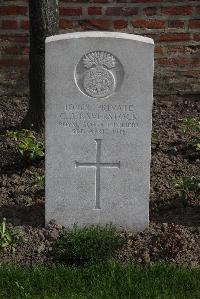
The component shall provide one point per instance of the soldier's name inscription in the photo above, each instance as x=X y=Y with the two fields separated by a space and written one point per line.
x=98 y=118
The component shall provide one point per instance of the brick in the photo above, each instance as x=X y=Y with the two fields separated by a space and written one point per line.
x=196 y=37
x=15 y=39
x=17 y=50
x=70 y=11
x=192 y=49
x=97 y=1
x=120 y=24
x=174 y=49
x=193 y=73
x=146 y=1
x=158 y=50
x=121 y=11
x=26 y=51
x=150 y=11
x=178 y=61
x=150 y=24
x=175 y=37
x=13 y=10
x=93 y=24
x=94 y=10
x=195 y=61
x=73 y=1
x=24 y=24
x=176 y=10
x=194 y=24
x=5 y=62
x=13 y=50
x=197 y=10
x=176 y=24
x=65 y=24
x=9 y=24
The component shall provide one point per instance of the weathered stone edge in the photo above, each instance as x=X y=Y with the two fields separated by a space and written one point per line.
x=99 y=34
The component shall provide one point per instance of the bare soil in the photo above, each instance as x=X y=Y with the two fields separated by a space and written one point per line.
x=174 y=231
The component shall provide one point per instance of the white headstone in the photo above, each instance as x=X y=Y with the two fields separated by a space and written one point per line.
x=99 y=88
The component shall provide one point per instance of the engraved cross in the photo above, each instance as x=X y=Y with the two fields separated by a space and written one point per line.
x=97 y=165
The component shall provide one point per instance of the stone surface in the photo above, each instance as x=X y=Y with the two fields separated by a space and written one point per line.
x=99 y=88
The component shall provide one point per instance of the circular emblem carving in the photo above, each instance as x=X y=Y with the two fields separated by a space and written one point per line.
x=98 y=74
x=99 y=82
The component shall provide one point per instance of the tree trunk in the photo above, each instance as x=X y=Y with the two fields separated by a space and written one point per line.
x=44 y=20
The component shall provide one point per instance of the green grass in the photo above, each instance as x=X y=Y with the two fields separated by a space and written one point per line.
x=103 y=281
x=87 y=245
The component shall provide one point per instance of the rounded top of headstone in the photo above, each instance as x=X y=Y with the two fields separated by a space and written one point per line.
x=100 y=34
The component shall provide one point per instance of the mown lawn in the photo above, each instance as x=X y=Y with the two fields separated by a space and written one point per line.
x=100 y=281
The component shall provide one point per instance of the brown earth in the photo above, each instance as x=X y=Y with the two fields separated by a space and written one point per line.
x=174 y=231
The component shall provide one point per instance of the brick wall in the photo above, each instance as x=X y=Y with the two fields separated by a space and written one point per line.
x=174 y=25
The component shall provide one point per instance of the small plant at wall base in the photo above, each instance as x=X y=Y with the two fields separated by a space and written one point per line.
x=40 y=180
x=191 y=127
x=154 y=140
x=190 y=124
x=27 y=144
x=188 y=187
x=6 y=236
x=93 y=244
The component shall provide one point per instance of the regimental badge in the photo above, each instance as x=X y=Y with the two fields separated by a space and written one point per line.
x=98 y=74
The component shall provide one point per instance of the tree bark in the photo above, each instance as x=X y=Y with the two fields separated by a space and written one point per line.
x=44 y=20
